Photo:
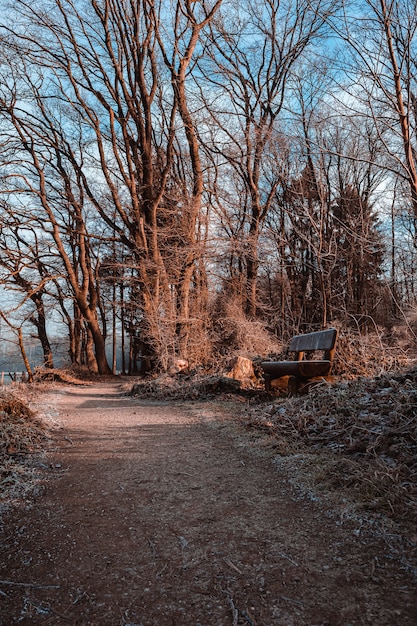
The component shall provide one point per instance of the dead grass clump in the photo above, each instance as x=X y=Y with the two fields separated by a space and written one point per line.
x=22 y=434
x=235 y=334
x=409 y=328
x=75 y=375
x=366 y=355
x=14 y=408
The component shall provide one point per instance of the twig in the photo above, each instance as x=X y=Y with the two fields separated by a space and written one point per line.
x=232 y=565
x=248 y=618
x=158 y=574
x=33 y=585
x=235 y=612
x=61 y=615
x=152 y=546
x=291 y=600
x=285 y=556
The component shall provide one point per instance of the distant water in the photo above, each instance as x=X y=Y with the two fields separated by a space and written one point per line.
x=5 y=379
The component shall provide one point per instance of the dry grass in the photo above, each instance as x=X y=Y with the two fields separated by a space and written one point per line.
x=189 y=387
x=367 y=355
x=74 y=375
x=22 y=435
x=235 y=334
x=357 y=439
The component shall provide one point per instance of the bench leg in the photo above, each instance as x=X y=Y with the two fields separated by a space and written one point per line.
x=267 y=380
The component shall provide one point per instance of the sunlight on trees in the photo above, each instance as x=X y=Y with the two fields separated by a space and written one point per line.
x=165 y=163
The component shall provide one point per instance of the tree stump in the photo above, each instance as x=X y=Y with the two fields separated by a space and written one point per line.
x=242 y=369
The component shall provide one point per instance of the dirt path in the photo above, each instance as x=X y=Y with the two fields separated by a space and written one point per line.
x=153 y=516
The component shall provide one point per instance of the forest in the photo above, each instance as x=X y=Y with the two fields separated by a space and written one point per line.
x=185 y=179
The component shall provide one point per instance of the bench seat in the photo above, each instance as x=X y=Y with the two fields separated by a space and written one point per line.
x=302 y=370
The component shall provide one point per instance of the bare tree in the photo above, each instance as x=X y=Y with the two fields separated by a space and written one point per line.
x=253 y=51
x=189 y=21
x=38 y=168
x=381 y=35
x=24 y=269
x=17 y=329
x=122 y=91
x=324 y=220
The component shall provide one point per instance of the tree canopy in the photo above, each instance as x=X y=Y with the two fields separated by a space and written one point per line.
x=164 y=163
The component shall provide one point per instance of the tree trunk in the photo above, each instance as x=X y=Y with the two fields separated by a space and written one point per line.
x=24 y=356
x=40 y=324
x=92 y=363
x=401 y=107
x=99 y=347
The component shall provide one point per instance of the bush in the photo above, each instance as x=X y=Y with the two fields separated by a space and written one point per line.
x=234 y=334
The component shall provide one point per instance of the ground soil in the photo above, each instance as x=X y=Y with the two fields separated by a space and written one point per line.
x=166 y=514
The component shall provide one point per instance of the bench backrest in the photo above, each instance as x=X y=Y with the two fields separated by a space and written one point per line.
x=321 y=340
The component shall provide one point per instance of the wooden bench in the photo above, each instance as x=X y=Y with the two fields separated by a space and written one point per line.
x=300 y=370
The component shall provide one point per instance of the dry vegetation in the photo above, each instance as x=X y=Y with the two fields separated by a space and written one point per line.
x=358 y=438
x=22 y=435
x=233 y=333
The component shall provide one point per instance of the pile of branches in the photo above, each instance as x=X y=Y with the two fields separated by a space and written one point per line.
x=357 y=438
x=186 y=387
x=22 y=435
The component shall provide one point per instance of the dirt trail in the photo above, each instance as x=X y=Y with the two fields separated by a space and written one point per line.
x=153 y=515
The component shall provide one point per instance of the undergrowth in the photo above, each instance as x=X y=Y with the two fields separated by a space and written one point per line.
x=22 y=435
x=357 y=438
